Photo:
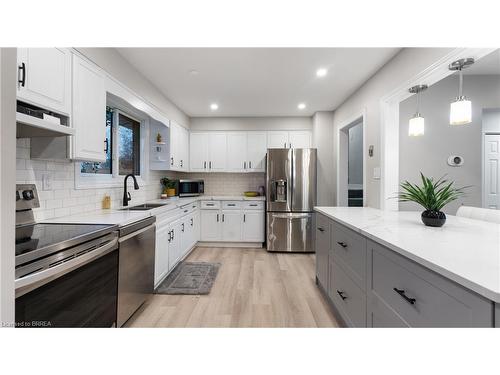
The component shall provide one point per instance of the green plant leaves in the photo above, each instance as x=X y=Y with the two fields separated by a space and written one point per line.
x=432 y=195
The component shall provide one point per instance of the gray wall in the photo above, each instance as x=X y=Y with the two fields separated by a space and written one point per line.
x=356 y=155
x=429 y=153
x=251 y=123
x=323 y=141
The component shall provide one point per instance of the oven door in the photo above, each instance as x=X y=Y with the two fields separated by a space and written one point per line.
x=86 y=296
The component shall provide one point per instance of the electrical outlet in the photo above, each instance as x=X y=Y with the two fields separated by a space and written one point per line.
x=47 y=182
x=376 y=173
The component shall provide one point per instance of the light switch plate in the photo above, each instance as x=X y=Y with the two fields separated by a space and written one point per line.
x=47 y=181
x=376 y=173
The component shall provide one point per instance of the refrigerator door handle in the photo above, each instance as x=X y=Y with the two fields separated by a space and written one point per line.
x=292 y=215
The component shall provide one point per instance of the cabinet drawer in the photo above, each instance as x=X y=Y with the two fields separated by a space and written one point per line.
x=382 y=316
x=187 y=209
x=210 y=205
x=423 y=298
x=253 y=205
x=349 y=249
x=231 y=205
x=347 y=296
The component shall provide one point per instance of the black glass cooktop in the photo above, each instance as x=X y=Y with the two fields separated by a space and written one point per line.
x=39 y=238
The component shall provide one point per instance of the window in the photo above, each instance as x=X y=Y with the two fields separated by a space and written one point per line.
x=122 y=146
x=129 y=145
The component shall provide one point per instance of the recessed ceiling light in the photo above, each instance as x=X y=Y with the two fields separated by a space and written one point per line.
x=214 y=106
x=193 y=72
x=301 y=106
x=321 y=72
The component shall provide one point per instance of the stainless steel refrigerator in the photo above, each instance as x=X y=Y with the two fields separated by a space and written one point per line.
x=290 y=197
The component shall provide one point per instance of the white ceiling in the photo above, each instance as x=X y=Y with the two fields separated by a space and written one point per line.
x=257 y=81
x=489 y=64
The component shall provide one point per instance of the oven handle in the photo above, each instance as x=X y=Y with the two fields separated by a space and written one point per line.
x=137 y=232
x=34 y=280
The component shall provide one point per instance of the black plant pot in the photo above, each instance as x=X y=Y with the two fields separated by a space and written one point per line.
x=433 y=218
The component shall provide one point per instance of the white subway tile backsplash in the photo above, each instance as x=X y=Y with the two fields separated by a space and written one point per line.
x=64 y=199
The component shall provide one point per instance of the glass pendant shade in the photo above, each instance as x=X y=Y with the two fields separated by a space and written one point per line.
x=416 y=126
x=461 y=112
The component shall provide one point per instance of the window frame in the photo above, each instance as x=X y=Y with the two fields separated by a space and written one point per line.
x=114 y=179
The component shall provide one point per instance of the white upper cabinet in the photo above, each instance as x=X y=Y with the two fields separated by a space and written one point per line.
x=217 y=152
x=299 y=139
x=44 y=78
x=277 y=139
x=89 y=111
x=256 y=151
x=237 y=152
x=179 y=147
x=198 y=152
x=289 y=139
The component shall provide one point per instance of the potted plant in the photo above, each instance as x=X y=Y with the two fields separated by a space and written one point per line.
x=168 y=186
x=433 y=196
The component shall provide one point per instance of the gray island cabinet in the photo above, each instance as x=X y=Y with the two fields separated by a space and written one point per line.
x=368 y=284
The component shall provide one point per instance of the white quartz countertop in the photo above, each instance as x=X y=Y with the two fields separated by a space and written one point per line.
x=464 y=250
x=121 y=217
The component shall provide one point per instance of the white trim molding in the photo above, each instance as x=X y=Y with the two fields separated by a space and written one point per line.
x=389 y=121
x=357 y=117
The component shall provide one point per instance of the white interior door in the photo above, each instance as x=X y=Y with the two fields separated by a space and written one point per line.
x=237 y=152
x=491 y=184
x=256 y=151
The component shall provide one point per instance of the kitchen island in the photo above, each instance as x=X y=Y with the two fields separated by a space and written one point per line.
x=383 y=269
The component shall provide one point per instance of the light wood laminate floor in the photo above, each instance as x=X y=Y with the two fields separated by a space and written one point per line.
x=254 y=288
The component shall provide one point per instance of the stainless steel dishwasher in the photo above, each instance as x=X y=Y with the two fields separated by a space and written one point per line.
x=136 y=267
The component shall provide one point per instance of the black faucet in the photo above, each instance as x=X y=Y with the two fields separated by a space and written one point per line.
x=126 y=195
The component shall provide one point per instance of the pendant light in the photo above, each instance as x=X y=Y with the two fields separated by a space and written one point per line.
x=416 y=125
x=461 y=108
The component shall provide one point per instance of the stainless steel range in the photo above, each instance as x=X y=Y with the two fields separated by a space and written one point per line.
x=66 y=274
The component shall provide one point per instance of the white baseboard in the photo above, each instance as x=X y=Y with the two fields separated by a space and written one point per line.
x=230 y=244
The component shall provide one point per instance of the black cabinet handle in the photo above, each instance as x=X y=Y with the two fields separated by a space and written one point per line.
x=244 y=165
x=171 y=161
x=210 y=165
x=181 y=162
x=191 y=221
x=204 y=165
x=321 y=229
x=401 y=292
x=106 y=146
x=250 y=164
x=217 y=217
x=343 y=244
x=169 y=236
x=182 y=227
x=222 y=217
x=173 y=234
x=22 y=68
x=341 y=294
x=244 y=218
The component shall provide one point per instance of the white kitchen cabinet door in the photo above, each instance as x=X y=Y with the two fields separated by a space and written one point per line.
x=161 y=253
x=253 y=226
x=217 y=152
x=231 y=225
x=174 y=247
x=299 y=139
x=174 y=145
x=184 y=151
x=256 y=151
x=196 y=227
x=198 y=152
x=277 y=139
x=210 y=225
x=45 y=75
x=89 y=111
x=237 y=152
x=187 y=234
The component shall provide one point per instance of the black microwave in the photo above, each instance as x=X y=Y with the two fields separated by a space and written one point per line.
x=191 y=188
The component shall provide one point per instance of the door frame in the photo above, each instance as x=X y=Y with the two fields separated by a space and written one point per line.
x=342 y=158
x=389 y=119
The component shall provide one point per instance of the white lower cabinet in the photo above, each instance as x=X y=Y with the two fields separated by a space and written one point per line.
x=253 y=226
x=176 y=234
x=232 y=223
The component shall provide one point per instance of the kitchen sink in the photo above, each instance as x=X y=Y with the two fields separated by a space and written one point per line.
x=144 y=207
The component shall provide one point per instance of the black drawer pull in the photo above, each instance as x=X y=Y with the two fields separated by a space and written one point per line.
x=401 y=292
x=343 y=244
x=341 y=294
x=321 y=229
